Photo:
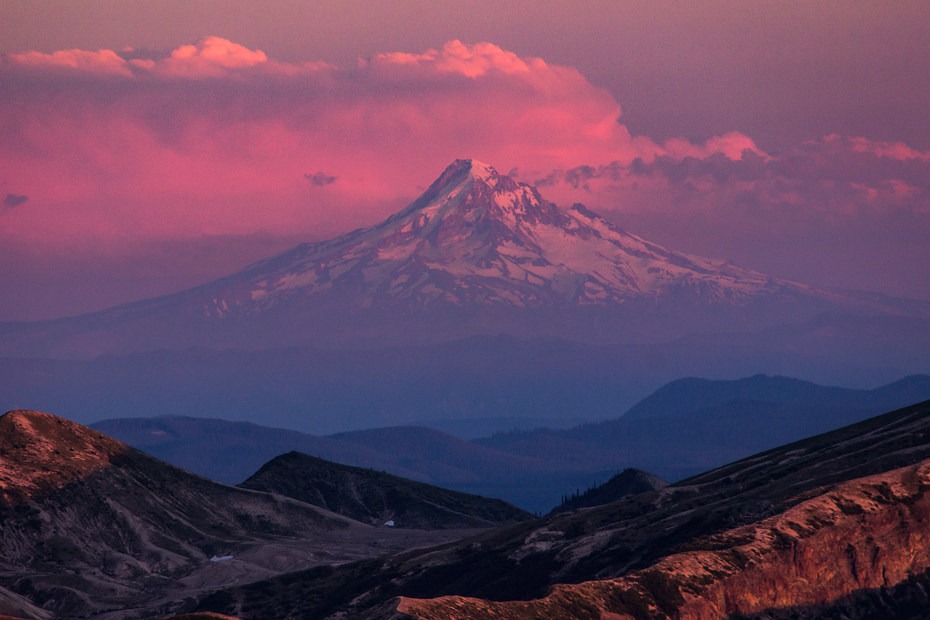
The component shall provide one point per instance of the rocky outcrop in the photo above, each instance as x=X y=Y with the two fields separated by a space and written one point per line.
x=40 y=453
x=873 y=532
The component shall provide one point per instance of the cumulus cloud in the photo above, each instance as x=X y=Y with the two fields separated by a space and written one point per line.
x=472 y=61
x=218 y=125
x=891 y=150
x=101 y=61
x=211 y=56
x=733 y=145
x=826 y=178
x=835 y=211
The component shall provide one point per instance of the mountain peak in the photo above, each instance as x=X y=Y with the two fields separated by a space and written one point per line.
x=479 y=185
x=40 y=452
x=478 y=252
x=474 y=168
x=464 y=175
x=481 y=171
x=478 y=237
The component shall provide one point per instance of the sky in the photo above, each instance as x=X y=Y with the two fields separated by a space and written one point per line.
x=149 y=147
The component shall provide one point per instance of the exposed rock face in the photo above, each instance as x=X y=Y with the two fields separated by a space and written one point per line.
x=41 y=453
x=868 y=533
x=378 y=498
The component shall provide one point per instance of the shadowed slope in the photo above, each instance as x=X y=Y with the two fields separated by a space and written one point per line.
x=376 y=497
x=628 y=482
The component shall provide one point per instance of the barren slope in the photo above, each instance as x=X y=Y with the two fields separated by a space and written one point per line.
x=90 y=524
x=376 y=497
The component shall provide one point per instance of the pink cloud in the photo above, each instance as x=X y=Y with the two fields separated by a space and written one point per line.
x=829 y=211
x=100 y=62
x=891 y=150
x=159 y=157
x=209 y=57
x=733 y=145
x=817 y=180
x=472 y=61
x=216 y=139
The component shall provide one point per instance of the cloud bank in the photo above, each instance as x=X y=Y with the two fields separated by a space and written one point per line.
x=213 y=139
x=186 y=142
x=838 y=211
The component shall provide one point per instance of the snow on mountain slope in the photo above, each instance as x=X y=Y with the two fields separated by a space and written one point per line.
x=476 y=236
x=477 y=254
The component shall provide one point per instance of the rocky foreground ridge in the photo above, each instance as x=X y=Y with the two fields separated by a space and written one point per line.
x=870 y=533
x=838 y=519
x=837 y=525
x=90 y=527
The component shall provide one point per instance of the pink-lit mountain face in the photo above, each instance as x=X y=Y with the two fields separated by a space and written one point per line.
x=477 y=237
x=477 y=253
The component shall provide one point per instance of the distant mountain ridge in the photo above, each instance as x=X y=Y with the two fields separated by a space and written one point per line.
x=685 y=396
x=713 y=422
x=477 y=253
x=693 y=425
x=231 y=452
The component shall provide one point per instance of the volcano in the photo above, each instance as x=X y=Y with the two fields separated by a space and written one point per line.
x=477 y=237
x=479 y=253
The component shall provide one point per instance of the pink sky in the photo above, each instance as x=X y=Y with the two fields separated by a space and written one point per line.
x=138 y=157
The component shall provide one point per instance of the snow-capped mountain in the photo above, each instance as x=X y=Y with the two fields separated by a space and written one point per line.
x=477 y=253
x=480 y=237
